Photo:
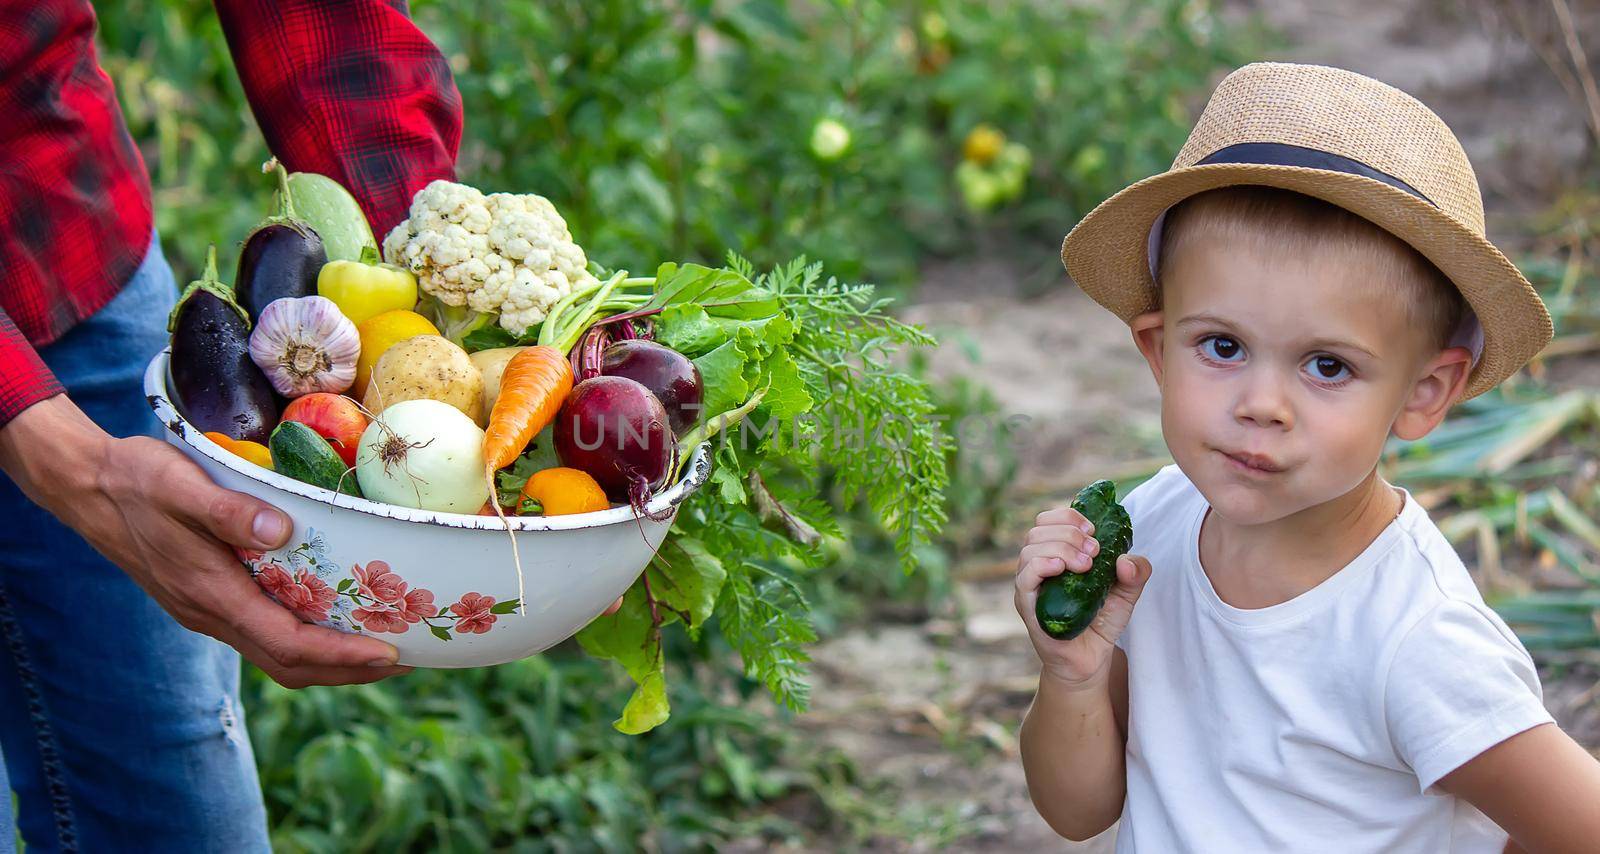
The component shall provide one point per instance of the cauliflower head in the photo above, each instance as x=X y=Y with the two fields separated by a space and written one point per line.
x=505 y=254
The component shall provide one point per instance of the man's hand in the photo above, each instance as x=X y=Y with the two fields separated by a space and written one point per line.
x=153 y=512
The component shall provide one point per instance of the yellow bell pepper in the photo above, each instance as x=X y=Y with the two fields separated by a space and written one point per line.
x=367 y=288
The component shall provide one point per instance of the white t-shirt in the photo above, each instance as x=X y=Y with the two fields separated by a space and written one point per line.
x=1317 y=724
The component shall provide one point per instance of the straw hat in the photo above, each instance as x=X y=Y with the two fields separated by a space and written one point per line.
x=1346 y=139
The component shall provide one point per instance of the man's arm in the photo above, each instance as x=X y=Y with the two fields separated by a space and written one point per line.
x=153 y=512
x=24 y=378
x=1540 y=786
x=352 y=90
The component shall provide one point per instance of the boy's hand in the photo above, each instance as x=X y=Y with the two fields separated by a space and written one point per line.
x=1061 y=540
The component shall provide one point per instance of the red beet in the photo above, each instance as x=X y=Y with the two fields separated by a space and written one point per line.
x=617 y=431
x=668 y=374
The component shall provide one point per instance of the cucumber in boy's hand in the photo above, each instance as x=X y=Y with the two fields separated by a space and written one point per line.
x=1068 y=602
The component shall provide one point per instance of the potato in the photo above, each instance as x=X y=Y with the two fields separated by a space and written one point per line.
x=427 y=367
x=493 y=365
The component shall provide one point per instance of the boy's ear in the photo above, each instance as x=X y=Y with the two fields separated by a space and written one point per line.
x=1147 y=329
x=1440 y=385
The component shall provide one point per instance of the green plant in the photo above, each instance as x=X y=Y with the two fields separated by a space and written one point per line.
x=684 y=129
x=519 y=757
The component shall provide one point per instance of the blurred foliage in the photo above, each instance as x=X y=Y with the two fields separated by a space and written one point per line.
x=521 y=757
x=680 y=130
x=684 y=129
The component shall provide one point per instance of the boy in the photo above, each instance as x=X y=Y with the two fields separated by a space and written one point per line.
x=1309 y=666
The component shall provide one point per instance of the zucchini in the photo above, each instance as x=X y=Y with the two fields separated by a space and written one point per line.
x=329 y=208
x=301 y=453
x=1068 y=602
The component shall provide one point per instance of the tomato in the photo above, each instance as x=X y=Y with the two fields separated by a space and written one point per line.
x=561 y=491
x=983 y=144
x=255 y=452
x=334 y=417
x=830 y=140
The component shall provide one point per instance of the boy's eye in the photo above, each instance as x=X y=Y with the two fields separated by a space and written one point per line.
x=1221 y=348
x=1327 y=368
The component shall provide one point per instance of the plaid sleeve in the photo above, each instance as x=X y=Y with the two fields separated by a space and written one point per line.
x=352 y=90
x=24 y=379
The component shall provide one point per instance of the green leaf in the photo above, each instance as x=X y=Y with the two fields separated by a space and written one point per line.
x=689 y=330
x=626 y=637
x=722 y=292
x=786 y=392
x=748 y=304
x=725 y=475
x=439 y=632
x=769 y=624
x=505 y=607
x=722 y=375
x=631 y=639
x=540 y=455
x=647 y=708
x=687 y=578
x=772 y=331
x=488 y=338
x=344 y=584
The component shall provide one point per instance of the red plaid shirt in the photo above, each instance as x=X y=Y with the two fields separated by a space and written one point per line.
x=351 y=89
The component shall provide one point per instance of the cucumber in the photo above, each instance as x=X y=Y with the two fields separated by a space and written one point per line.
x=330 y=209
x=1068 y=602
x=301 y=453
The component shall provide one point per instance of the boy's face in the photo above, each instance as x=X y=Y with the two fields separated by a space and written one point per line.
x=1281 y=377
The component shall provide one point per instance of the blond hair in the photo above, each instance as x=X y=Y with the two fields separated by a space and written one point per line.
x=1283 y=220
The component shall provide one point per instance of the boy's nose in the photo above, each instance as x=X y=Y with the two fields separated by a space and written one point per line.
x=1264 y=403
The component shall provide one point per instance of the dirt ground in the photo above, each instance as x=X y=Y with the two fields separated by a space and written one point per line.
x=933 y=707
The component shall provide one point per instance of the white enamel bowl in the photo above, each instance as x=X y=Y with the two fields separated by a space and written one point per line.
x=439 y=586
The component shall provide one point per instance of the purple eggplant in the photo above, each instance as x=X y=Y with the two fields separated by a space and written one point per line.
x=215 y=385
x=281 y=257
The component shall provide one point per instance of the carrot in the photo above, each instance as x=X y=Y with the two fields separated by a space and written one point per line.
x=532 y=389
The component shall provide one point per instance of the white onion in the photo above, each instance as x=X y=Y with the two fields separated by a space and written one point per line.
x=424 y=454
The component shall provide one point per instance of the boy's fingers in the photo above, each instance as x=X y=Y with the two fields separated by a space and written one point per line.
x=1027 y=587
x=1074 y=559
x=1132 y=573
x=1063 y=534
x=1064 y=516
x=1036 y=570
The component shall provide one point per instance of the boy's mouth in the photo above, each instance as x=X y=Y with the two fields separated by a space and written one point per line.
x=1256 y=463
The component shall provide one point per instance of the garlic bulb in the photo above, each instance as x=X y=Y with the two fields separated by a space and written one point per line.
x=305 y=344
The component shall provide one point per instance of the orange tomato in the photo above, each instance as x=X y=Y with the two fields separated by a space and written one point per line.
x=562 y=490
x=254 y=452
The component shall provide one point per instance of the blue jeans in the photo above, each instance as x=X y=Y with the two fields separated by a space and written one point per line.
x=121 y=730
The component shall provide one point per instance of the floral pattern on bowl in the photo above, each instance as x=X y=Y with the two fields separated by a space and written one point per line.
x=368 y=598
